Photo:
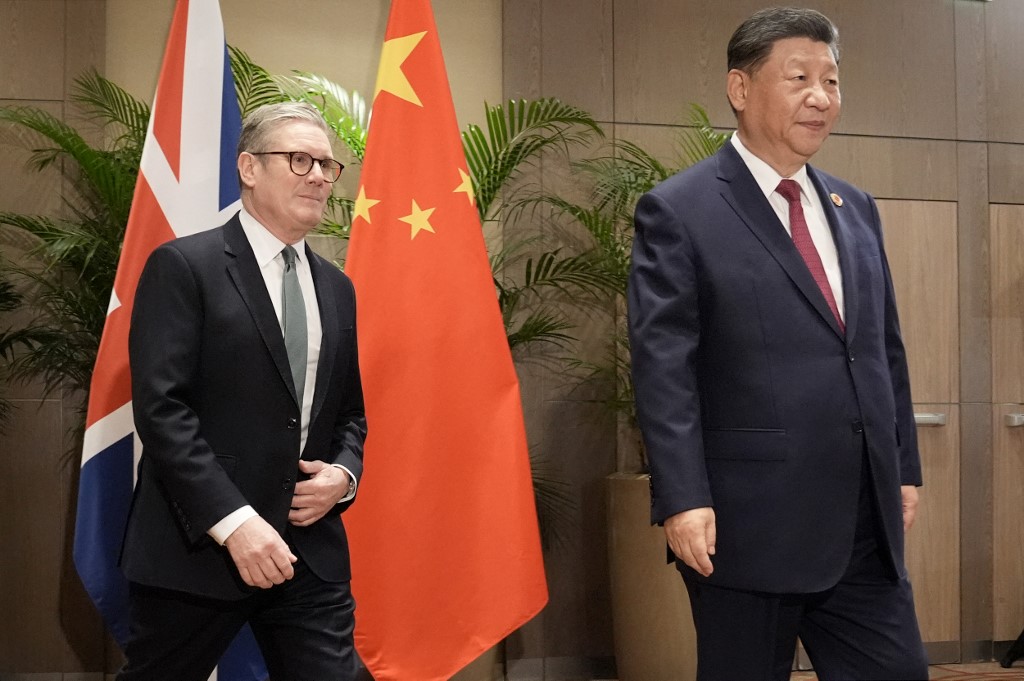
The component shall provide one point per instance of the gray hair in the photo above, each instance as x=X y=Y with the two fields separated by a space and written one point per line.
x=752 y=42
x=260 y=124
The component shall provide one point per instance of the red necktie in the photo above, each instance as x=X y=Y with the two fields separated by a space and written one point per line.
x=802 y=239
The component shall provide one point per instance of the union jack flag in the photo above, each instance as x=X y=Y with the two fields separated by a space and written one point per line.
x=187 y=183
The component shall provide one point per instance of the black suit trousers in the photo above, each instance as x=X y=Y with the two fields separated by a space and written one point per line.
x=303 y=627
x=862 y=629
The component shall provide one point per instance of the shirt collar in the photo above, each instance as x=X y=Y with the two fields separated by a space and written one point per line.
x=266 y=246
x=766 y=176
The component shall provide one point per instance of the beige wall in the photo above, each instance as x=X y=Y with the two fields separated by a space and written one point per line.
x=340 y=39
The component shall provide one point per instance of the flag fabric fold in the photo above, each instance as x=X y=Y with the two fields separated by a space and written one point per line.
x=187 y=183
x=445 y=546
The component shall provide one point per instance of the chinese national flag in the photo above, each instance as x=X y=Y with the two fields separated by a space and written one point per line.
x=444 y=541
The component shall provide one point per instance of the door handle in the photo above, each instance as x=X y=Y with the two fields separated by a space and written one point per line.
x=930 y=419
x=1014 y=420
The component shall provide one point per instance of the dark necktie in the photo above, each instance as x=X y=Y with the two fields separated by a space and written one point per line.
x=293 y=319
x=802 y=240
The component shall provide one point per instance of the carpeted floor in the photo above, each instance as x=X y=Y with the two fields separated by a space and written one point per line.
x=955 y=672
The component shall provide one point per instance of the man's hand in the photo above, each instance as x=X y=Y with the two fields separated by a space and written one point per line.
x=315 y=497
x=691 y=536
x=909 y=494
x=263 y=559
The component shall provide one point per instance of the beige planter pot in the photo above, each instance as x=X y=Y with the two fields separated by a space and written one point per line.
x=653 y=630
x=487 y=667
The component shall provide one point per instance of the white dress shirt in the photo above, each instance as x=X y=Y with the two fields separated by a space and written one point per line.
x=814 y=214
x=267 y=249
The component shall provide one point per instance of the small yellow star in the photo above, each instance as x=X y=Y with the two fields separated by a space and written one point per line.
x=419 y=219
x=363 y=206
x=466 y=186
x=390 y=76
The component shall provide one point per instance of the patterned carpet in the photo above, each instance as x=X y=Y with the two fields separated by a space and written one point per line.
x=955 y=672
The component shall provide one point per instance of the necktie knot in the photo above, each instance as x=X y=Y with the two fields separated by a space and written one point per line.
x=790 y=190
x=289 y=255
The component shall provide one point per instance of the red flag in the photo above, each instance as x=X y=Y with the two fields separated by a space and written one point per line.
x=445 y=547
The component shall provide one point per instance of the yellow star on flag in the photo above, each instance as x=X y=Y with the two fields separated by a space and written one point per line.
x=363 y=206
x=390 y=76
x=419 y=219
x=466 y=186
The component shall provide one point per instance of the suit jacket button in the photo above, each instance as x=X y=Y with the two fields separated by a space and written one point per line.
x=287 y=484
x=293 y=424
x=851 y=357
x=858 y=426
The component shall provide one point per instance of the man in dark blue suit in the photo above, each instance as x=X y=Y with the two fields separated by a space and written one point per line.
x=248 y=402
x=772 y=385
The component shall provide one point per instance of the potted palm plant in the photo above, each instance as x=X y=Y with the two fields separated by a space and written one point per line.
x=653 y=633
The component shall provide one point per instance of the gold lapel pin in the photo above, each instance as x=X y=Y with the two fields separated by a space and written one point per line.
x=836 y=199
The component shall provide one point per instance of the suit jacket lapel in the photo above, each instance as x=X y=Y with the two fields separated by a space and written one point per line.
x=248 y=279
x=746 y=198
x=330 y=338
x=838 y=221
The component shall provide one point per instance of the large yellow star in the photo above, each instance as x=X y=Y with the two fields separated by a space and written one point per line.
x=363 y=206
x=389 y=75
x=419 y=219
x=466 y=186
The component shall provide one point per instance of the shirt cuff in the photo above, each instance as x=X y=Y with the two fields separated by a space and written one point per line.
x=229 y=523
x=352 y=484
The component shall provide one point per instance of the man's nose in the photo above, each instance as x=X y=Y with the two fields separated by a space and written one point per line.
x=819 y=97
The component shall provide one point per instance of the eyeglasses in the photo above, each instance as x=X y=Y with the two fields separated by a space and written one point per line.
x=301 y=163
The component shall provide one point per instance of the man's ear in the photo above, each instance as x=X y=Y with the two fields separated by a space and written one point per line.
x=737 y=84
x=247 y=169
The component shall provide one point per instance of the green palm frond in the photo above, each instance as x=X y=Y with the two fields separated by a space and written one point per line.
x=516 y=135
x=109 y=104
x=556 y=505
x=700 y=141
x=345 y=112
x=254 y=86
x=545 y=325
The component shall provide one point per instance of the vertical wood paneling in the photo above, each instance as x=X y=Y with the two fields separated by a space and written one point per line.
x=1007 y=288
x=933 y=543
x=669 y=54
x=32 y=531
x=1004 y=48
x=971 y=71
x=1008 y=509
x=1006 y=173
x=521 y=49
x=31 y=49
x=921 y=244
x=578 y=40
x=897 y=69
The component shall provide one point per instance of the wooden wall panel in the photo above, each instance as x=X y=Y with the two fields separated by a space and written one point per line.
x=1007 y=290
x=1006 y=173
x=933 y=546
x=31 y=49
x=30 y=563
x=897 y=72
x=577 y=39
x=1004 y=23
x=893 y=167
x=1008 y=509
x=670 y=53
x=921 y=244
x=971 y=71
x=521 y=49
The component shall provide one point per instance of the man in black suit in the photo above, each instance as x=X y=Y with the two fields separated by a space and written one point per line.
x=772 y=386
x=248 y=404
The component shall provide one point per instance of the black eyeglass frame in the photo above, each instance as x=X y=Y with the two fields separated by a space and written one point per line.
x=320 y=161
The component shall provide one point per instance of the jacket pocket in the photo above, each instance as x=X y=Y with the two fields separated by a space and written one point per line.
x=746 y=444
